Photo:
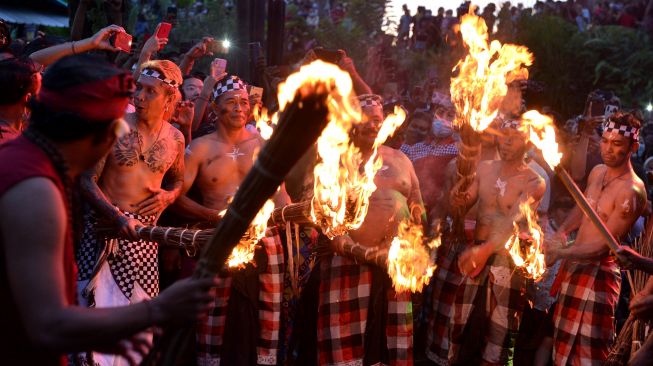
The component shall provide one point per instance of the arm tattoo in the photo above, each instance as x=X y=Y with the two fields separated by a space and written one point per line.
x=175 y=174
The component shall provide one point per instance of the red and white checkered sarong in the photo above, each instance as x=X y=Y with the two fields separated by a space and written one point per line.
x=501 y=289
x=343 y=315
x=584 y=315
x=210 y=330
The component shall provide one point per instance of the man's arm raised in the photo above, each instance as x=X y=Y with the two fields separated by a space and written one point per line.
x=97 y=199
x=34 y=262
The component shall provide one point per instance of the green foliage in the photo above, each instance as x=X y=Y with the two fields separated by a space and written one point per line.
x=573 y=63
x=357 y=32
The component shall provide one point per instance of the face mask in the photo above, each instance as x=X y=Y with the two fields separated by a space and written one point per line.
x=441 y=129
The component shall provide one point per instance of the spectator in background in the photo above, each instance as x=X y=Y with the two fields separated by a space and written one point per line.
x=404 y=27
x=489 y=17
x=192 y=86
x=20 y=80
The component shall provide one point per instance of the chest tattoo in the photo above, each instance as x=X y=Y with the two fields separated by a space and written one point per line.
x=126 y=149
x=383 y=171
x=235 y=153
x=501 y=186
x=626 y=205
x=157 y=158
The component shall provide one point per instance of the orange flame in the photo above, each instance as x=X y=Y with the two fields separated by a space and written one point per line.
x=529 y=256
x=542 y=134
x=341 y=190
x=265 y=123
x=243 y=252
x=484 y=74
x=409 y=264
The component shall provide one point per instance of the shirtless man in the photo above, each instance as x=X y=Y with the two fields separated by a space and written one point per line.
x=499 y=187
x=347 y=289
x=216 y=164
x=447 y=276
x=584 y=315
x=125 y=188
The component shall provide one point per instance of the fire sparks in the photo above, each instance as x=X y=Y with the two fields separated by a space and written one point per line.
x=484 y=74
x=409 y=264
x=243 y=252
x=525 y=247
x=265 y=123
x=542 y=135
x=341 y=189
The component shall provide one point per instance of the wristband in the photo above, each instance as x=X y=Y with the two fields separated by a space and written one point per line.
x=72 y=46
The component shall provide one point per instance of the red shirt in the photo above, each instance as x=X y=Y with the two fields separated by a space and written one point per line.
x=20 y=160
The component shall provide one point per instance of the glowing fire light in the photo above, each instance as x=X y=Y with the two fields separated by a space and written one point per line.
x=265 y=123
x=409 y=264
x=542 y=134
x=341 y=190
x=528 y=256
x=243 y=252
x=484 y=74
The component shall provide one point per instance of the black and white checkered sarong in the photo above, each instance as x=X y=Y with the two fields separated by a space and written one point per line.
x=130 y=261
x=89 y=248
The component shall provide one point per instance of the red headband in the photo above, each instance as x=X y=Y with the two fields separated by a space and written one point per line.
x=100 y=100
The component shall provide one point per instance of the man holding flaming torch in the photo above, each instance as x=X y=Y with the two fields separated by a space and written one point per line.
x=216 y=165
x=590 y=280
x=491 y=297
x=361 y=319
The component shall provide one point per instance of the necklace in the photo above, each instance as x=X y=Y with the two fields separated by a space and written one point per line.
x=141 y=154
x=604 y=185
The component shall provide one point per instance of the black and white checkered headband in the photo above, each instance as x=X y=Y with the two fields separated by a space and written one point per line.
x=370 y=100
x=627 y=131
x=157 y=75
x=228 y=83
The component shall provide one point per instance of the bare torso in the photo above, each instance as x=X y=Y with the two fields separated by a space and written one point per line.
x=136 y=165
x=499 y=193
x=397 y=192
x=222 y=167
x=607 y=196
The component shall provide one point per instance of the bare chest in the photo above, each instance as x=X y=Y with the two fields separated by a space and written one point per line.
x=602 y=199
x=227 y=164
x=132 y=153
x=500 y=194
x=391 y=176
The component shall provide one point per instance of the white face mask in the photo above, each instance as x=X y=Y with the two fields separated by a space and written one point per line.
x=441 y=128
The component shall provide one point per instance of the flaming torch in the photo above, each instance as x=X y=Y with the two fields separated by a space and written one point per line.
x=542 y=135
x=408 y=262
x=243 y=252
x=529 y=255
x=303 y=100
x=410 y=266
x=478 y=90
x=341 y=188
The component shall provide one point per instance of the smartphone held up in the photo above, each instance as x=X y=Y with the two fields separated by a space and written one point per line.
x=121 y=41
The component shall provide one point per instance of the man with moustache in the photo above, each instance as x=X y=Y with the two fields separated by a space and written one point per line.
x=140 y=176
x=248 y=302
x=590 y=278
x=491 y=278
x=361 y=319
